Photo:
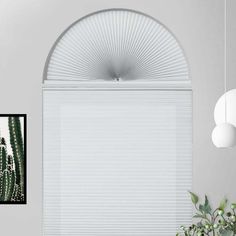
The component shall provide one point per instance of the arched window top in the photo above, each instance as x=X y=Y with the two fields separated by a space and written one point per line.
x=117 y=45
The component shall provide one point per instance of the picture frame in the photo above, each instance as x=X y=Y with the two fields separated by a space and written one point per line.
x=13 y=159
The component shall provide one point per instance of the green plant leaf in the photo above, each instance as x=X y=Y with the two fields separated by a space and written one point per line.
x=198 y=216
x=233 y=206
x=206 y=208
x=225 y=232
x=194 y=198
x=223 y=204
x=199 y=224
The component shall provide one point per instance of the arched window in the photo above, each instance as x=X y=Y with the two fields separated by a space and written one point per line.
x=117 y=128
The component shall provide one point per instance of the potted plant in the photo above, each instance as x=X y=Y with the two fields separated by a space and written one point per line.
x=212 y=222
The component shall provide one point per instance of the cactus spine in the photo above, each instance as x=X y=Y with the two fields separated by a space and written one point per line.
x=12 y=167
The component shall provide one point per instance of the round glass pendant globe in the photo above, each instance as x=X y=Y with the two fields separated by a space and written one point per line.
x=224 y=135
x=219 y=113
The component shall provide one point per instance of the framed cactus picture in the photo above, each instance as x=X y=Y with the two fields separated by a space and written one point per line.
x=13 y=158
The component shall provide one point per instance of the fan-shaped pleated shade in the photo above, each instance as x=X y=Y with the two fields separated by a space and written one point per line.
x=116 y=45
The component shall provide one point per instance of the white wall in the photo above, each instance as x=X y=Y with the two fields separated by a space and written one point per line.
x=28 y=28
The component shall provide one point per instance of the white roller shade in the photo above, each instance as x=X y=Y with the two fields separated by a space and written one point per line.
x=117 y=162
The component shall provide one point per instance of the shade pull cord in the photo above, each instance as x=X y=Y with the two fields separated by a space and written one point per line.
x=225 y=58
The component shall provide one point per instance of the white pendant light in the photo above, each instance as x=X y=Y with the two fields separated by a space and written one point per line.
x=224 y=134
x=219 y=112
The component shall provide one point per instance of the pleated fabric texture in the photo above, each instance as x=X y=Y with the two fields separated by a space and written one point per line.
x=117 y=163
x=117 y=45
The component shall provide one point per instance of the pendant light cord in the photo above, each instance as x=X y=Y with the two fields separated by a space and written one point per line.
x=225 y=57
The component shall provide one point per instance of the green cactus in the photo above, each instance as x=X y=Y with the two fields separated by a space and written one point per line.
x=5 y=185
x=16 y=141
x=3 y=167
x=12 y=167
x=12 y=177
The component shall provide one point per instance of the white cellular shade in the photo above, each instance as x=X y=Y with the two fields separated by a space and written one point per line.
x=117 y=44
x=117 y=162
